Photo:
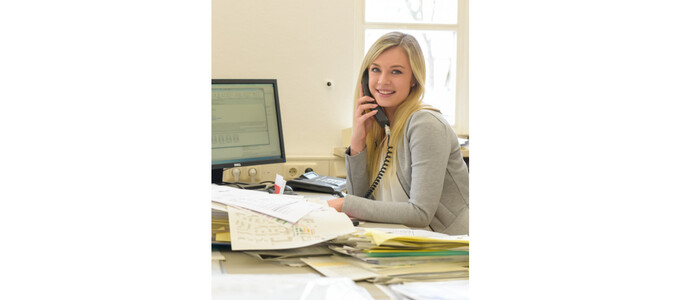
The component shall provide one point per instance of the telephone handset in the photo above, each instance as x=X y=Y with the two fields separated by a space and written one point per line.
x=380 y=116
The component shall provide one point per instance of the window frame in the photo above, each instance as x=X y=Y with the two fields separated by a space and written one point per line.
x=461 y=125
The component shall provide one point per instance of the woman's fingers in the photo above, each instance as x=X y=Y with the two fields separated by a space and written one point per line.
x=364 y=100
x=368 y=106
x=365 y=104
x=361 y=109
x=367 y=115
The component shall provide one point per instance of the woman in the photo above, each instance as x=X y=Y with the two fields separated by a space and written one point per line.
x=425 y=182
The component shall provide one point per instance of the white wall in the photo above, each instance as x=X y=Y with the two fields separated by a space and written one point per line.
x=301 y=43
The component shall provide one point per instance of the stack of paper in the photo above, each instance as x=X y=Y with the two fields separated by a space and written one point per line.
x=220 y=224
x=389 y=246
x=396 y=255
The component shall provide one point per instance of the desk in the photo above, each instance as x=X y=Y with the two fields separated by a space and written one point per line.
x=239 y=263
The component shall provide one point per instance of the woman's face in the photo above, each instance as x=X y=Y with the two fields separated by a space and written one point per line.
x=390 y=78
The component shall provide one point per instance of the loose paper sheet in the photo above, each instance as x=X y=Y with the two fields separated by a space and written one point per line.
x=382 y=235
x=330 y=266
x=255 y=231
x=287 y=207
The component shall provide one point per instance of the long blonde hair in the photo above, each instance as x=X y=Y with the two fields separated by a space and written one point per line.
x=413 y=102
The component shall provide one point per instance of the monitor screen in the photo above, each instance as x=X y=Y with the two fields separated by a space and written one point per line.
x=246 y=124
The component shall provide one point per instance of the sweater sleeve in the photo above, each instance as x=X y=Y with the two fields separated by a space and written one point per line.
x=429 y=154
x=357 y=175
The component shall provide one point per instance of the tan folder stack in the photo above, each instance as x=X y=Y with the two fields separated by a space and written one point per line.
x=396 y=255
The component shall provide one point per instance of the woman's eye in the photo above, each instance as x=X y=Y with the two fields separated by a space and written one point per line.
x=396 y=72
x=375 y=70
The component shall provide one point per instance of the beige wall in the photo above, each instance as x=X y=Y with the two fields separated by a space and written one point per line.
x=302 y=44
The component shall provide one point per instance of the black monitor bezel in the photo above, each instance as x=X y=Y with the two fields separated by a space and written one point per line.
x=281 y=159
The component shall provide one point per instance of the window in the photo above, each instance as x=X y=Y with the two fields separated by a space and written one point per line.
x=440 y=26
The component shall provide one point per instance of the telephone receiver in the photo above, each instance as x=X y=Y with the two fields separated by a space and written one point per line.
x=380 y=116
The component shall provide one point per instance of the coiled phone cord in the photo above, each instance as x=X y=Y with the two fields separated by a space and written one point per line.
x=384 y=165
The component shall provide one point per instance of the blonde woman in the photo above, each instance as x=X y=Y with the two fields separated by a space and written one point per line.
x=425 y=181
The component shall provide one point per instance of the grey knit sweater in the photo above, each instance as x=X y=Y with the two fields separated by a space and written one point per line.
x=432 y=173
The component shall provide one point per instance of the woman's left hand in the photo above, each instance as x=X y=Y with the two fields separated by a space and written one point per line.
x=336 y=203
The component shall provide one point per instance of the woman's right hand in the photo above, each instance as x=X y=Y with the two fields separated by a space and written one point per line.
x=362 y=122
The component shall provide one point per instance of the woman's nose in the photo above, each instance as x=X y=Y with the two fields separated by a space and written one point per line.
x=384 y=78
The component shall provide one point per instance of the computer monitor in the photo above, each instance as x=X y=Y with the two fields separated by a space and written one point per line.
x=246 y=124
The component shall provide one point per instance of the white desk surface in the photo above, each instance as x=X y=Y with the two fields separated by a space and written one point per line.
x=237 y=262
